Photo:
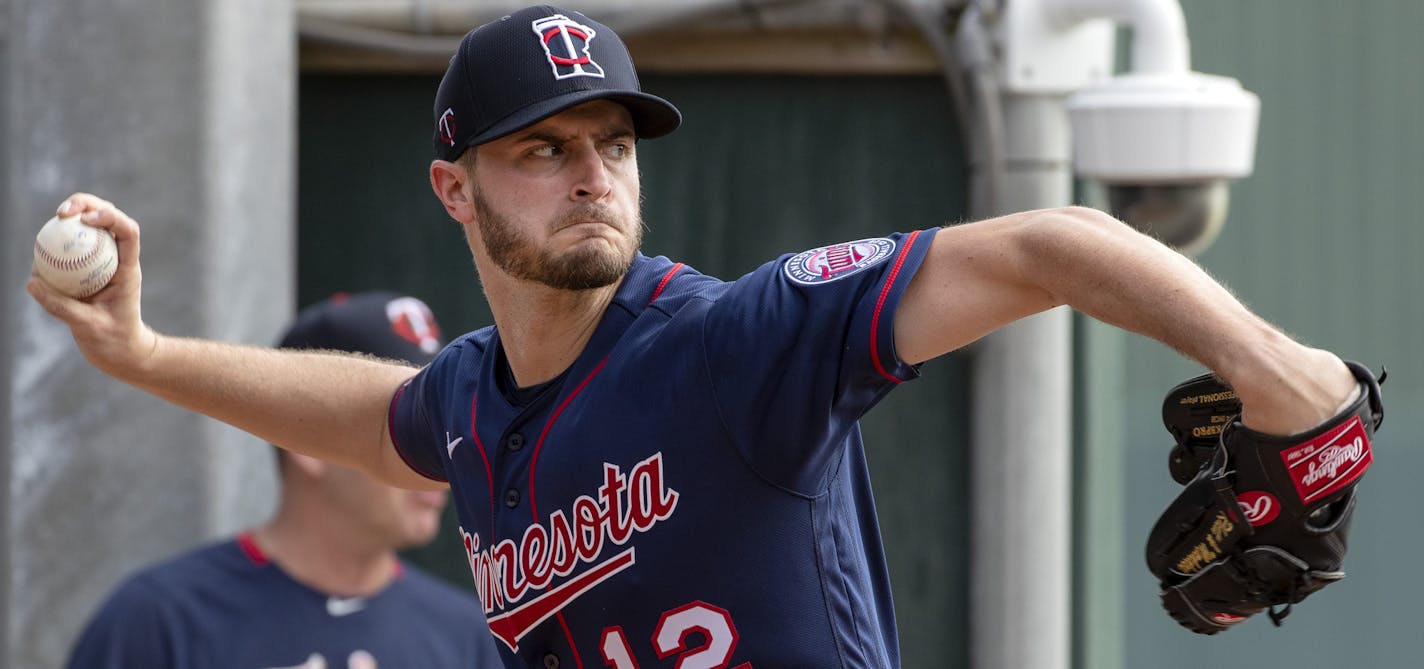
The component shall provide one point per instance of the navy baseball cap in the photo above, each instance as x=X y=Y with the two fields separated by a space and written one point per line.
x=514 y=72
x=381 y=323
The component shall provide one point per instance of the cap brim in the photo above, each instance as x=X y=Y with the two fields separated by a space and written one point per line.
x=652 y=116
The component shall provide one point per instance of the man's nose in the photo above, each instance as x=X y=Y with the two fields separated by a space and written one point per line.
x=594 y=181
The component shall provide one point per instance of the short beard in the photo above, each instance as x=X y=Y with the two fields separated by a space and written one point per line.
x=579 y=269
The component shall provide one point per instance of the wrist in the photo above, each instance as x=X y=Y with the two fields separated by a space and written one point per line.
x=1290 y=392
x=138 y=359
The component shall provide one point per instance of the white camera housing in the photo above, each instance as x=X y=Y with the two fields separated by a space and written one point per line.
x=1164 y=146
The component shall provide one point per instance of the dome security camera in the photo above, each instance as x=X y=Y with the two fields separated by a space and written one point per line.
x=1161 y=148
x=1186 y=216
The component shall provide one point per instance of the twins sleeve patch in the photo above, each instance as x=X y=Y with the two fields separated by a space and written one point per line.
x=829 y=263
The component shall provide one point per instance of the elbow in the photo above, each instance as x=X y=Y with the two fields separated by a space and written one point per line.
x=1053 y=245
x=1047 y=234
x=1075 y=220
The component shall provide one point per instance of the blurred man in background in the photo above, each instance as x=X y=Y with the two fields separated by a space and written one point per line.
x=319 y=586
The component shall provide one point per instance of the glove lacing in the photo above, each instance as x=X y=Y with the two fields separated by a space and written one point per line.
x=1277 y=616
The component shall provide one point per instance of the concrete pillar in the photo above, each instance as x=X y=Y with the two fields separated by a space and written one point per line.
x=1022 y=459
x=1100 y=503
x=182 y=113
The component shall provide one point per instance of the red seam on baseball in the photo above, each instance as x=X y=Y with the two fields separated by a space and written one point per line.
x=71 y=263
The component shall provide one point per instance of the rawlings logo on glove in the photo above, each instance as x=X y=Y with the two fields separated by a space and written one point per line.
x=1262 y=520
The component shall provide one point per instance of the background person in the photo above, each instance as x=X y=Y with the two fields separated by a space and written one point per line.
x=319 y=585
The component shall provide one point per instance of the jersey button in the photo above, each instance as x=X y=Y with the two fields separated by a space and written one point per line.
x=511 y=498
x=551 y=661
x=514 y=441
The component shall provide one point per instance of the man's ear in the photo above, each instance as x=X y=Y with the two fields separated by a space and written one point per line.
x=448 y=181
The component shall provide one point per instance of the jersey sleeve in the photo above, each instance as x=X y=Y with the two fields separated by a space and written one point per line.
x=801 y=348
x=416 y=414
x=133 y=628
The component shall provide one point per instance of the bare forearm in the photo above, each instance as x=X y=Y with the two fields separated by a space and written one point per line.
x=1103 y=268
x=980 y=276
x=1113 y=273
x=328 y=405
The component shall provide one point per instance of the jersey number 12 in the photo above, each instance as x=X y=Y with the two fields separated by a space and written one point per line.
x=713 y=623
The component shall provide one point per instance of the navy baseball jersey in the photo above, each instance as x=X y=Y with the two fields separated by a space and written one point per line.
x=692 y=492
x=226 y=606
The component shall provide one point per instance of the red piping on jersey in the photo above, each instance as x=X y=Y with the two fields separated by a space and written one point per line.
x=570 y=636
x=534 y=464
x=249 y=547
x=534 y=461
x=880 y=306
x=663 y=284
x=390 y=420
x=489 y=474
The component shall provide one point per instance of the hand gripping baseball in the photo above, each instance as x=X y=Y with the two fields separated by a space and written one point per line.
x=108 y=327
x=1263 y=520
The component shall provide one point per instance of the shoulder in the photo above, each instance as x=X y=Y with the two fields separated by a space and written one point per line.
x=830 y=274
x=837 y=262
x=464 y=352
x=192 y=570
x=665 y=285
x=471 y=343
x=158 y=595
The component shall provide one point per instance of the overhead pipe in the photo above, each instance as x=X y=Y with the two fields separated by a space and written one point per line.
x=1159 y=29
x=422 y=26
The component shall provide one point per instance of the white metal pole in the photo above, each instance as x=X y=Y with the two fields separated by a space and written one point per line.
x=1022 y=435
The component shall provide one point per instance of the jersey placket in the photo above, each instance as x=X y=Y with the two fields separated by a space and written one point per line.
x=531 y=435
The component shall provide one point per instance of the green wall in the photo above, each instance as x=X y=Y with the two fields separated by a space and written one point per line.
x=1325 y=240
x=761 y=166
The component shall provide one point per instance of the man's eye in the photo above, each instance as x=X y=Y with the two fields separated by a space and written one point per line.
x=546 y=151
x=619 y=150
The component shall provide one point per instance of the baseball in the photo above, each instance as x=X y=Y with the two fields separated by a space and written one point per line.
x=75 y=259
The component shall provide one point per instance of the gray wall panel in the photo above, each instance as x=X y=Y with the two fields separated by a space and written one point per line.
x=188 y=129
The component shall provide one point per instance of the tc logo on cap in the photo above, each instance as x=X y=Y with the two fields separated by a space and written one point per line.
x=566 y=45
x=447 y=126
